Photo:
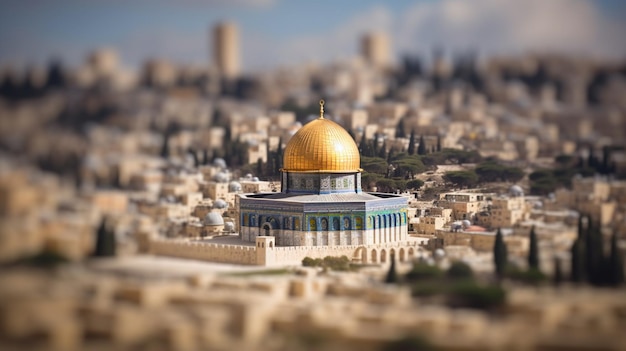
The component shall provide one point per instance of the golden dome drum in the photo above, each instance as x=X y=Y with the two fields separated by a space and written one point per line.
x=321 y=146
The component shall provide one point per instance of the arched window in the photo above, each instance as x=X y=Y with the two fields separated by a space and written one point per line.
x=296 y=224
x=245 y=219
x=335 y=223
x=346 y=223
x=324 y=224
x=287 y=223
x=312 y=224
x=253 y=220
x=359 y=223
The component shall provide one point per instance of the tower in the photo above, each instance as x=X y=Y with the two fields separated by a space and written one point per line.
x=226 y=49
x=375 y=49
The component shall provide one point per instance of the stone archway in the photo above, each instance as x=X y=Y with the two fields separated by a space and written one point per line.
x=374 y=256
x=411 y=253
x=360 y=255
x=266 y=229
x=383 y=256
x=401 y=256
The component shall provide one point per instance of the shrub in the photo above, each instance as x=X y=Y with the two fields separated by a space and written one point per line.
x=459 y=270
x=472 y=295
x=408 y=343
x=531 y=276
x=308 y=262
x=423 y=271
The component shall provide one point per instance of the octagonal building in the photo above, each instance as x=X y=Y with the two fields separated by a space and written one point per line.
x=321 y=202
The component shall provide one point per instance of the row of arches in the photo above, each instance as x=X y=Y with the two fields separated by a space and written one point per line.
x=384 y=255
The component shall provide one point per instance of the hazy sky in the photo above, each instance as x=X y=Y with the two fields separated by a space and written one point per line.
x=284 y=32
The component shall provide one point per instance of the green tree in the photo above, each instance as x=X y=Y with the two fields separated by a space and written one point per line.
x=459 y=270
x=414 y=184
x=557 y=278
x=374 y=165
x=205 y=157
x=461 y=178
x=105 y=241
x=500 y=254
x=259 y=167
x=616 y=263
x=423 y=271
x=165 y=148
x=392 y=275
x=577 y=271
x=411 y=149
x=421 y=148
x=533 y=250
x=400 y=130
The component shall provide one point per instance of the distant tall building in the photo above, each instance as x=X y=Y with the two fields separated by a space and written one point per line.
x=375 y=49
x=226 y=49
x=103 y=62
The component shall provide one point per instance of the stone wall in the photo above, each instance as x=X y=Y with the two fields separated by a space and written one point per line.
x=266 y=254
x=237 y=254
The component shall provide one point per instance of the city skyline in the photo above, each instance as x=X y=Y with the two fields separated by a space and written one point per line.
x=278 y=32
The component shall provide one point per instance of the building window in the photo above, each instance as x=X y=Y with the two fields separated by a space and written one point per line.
x=296 y=224
x=335 y=223
x=245 y=220
x=287 y=224
x=359 y=223
x=312 y=224
x=324 y=224
x=253 y=221
x=346 y=223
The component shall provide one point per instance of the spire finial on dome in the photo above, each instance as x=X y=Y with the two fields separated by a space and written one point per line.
x=322 y=109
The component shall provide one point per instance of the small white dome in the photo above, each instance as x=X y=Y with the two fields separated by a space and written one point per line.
x=516 y=190
x=234 y=187
x=213 y=218
x=229 y=227
x=220 y=163
x=221 y=177
x=220 y=204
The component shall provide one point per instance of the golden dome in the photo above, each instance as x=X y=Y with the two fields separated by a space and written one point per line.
x=321 y=146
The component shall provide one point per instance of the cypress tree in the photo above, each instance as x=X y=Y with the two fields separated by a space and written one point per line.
x=594 y=255
x=259 y=167
x=165 y=148
x=616 y=263
x=590 y=253
x=581 y=229
x=411 y=149
x=438 y=143
x=205 y=157
x=421 y=148
x=577 y=271
x=382 y=152
x=363 y=147
x=533 y=251
x=392 y=275
x=400 y=132
x=499 y=254
x=105 y=241
x=558 y=273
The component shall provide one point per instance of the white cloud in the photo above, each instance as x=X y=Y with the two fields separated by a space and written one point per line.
x=489 y=26
x=506 y=26
x=330 y=44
